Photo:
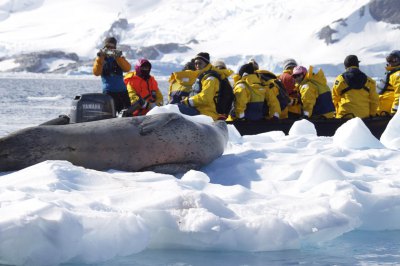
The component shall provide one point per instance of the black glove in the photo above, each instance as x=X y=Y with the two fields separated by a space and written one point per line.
x=101 y=53
x=117 y=53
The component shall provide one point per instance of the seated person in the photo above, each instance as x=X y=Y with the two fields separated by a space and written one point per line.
x=143 y=89
x=253 y=102
x=315 y=96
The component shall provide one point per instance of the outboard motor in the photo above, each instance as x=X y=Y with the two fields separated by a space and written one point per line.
x=91 y=107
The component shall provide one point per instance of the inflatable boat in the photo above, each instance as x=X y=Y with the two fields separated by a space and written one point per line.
x=96 y=106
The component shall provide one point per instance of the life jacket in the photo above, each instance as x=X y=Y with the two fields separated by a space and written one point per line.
x=224 y=98
x=146 y=90
x=111 y=68
x=181 y=85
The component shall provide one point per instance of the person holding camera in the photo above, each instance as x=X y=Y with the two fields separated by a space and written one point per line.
x=110 y=65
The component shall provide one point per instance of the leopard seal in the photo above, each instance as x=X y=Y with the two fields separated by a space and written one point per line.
x=164 y=143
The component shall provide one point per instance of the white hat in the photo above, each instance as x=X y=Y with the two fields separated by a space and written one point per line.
x=219 y=64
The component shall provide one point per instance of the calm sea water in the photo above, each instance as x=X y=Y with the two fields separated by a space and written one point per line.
x=355 y=248
x=27 y=101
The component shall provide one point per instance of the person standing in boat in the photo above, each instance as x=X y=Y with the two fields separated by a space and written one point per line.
x=389 y=89
x=354 y=93
x=110 y=65
x=143 y=88
x=316 y=96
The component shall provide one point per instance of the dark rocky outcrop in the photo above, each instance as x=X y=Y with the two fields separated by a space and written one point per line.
x=381 y=10
x=155 y=51
x=116 y=30
x=36 y=61
x=385 y=10
x=326 y=34
x=152 y=52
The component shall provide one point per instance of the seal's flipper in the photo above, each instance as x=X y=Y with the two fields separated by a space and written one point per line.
x=172 y=168
x=153 y=122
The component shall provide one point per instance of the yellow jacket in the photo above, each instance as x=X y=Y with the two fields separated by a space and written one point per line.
x=354 y=93
x=253 y=101
x=316 y=96
x=180 y=85
x=389 y=98
x=99 y=62
x=270 y=84
x=204 y=101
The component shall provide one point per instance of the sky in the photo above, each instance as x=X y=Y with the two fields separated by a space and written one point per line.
x=267 y=30
x=283 y=191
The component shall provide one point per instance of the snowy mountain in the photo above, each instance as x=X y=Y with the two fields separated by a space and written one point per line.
x=63 y=36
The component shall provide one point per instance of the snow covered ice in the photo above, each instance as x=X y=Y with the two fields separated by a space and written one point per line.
x=267 y=192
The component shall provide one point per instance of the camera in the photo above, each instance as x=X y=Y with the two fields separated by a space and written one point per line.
x=110 y=52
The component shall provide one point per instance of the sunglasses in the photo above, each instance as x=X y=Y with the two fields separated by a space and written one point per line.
x=110 y=46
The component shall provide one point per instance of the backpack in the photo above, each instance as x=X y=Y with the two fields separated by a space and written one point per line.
x=224 y=98
x=283 y=96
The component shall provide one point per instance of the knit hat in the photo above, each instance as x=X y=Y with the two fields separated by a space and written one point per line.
x=288 y=63
x=246 y=68
x=254 y=63
x=189 y=65
x=141 y=62
x=394 y=57
x=351 y=60
x=219 y=64
x=299 y=70
x=204 y=57
x=110 y=40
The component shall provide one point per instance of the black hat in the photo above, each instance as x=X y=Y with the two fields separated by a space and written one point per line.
x=394 y=58
x=203 y=56
x=246 y=68
x=351 y=60
x=110 y=40
x=189 y=65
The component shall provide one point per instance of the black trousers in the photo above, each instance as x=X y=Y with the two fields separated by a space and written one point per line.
x=121 y=99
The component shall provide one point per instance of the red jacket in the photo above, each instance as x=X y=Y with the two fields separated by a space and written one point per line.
x=140 y=89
